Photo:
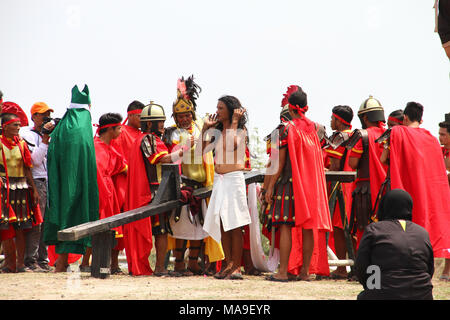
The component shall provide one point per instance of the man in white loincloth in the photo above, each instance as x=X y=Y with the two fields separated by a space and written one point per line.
x=227 y=210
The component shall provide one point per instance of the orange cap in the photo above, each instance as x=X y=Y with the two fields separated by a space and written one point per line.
x=40 y=107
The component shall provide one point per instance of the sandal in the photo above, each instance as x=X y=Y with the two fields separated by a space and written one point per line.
x=253 y=272
x=161 y=273
x=235 y=276
x=7 y=270
x=198 y=272
x=117 y=271
x=272 y=278
x=184 y=273
x=85 y=268
x=444 y=277
x=337 y=276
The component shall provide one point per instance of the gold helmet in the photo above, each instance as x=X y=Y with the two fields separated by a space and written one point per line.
x=373 y=109
x=153 y=112
x=187 y=94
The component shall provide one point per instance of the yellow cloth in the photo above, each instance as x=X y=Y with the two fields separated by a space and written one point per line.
x=213 y=249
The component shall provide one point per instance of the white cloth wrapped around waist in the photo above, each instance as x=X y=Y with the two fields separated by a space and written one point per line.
x=188 y=227
x=228 y=204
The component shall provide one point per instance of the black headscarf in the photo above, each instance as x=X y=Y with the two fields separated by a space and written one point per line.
x=395 y=204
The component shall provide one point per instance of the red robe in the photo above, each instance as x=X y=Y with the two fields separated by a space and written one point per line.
x=416 y=166
x=123 y=145
x=311 y=208
x=137 y=235
x=109 y=164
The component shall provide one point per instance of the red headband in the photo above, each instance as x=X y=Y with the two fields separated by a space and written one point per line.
x=302 y=110
x=395 y=120
x=137 y=111
x=342 y=120
x=106 y=126
x=10 y=121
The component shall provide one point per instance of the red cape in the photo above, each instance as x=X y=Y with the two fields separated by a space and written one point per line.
x=53 y=256
x=308 y=176
x=123 y=145
x=416 y=166
x=308 y=180
x=377 y=169
x=137 y=235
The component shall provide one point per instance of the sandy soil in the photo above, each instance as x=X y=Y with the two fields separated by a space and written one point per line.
x=75 y=285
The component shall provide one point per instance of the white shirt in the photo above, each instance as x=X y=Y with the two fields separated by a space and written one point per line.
x=38 y=152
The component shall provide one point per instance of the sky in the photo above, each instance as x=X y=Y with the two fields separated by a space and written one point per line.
x=339 y=52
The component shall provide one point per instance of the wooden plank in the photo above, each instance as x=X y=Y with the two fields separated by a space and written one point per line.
x=164 y=191
x=102 y=243
x=89 y=228
x=342 y=176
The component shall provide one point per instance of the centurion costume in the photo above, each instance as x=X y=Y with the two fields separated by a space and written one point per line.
x=371 y=172
x=302 y=182
x=197 y=170
x=17 y=209
x=145 y=154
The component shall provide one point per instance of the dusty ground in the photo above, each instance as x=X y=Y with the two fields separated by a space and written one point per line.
x=80 y=286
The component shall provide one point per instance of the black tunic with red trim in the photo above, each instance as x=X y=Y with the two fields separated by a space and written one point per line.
x=282 y=209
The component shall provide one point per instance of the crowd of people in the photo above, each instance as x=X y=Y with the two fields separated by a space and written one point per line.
x=56 y=174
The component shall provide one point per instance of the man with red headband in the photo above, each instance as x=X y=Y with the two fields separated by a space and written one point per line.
x=147 y=154
x=395 y=118
x=123 y=144
x=418 y=169
x=365 y=158
x=19 y=209
x=299 y=179
x=109 y=164
x=337 y=153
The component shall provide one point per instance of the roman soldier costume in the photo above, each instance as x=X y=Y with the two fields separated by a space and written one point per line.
x=371 y=172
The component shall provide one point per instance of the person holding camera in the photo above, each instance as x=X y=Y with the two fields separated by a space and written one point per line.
x=37 y=138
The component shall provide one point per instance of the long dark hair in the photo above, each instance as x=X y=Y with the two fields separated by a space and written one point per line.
x=233 y=103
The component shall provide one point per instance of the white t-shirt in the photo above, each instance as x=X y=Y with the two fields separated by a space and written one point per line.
x=38 y=152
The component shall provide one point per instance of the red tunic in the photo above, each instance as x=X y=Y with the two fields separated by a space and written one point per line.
x=138 y=235
x=347 y=188
x=109 y=164
x=416 y=166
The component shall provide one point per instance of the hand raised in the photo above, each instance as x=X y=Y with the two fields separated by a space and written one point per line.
x=210 y=121
x=238 y=114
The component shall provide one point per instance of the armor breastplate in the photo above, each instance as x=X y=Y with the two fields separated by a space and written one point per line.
x=14 y=162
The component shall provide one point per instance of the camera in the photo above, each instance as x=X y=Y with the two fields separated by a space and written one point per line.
x=55 y=122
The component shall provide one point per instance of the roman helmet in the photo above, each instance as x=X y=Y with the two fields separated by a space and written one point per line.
x=187 y=93
x=151 y=112
x=373 y=109
x=284 y=114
